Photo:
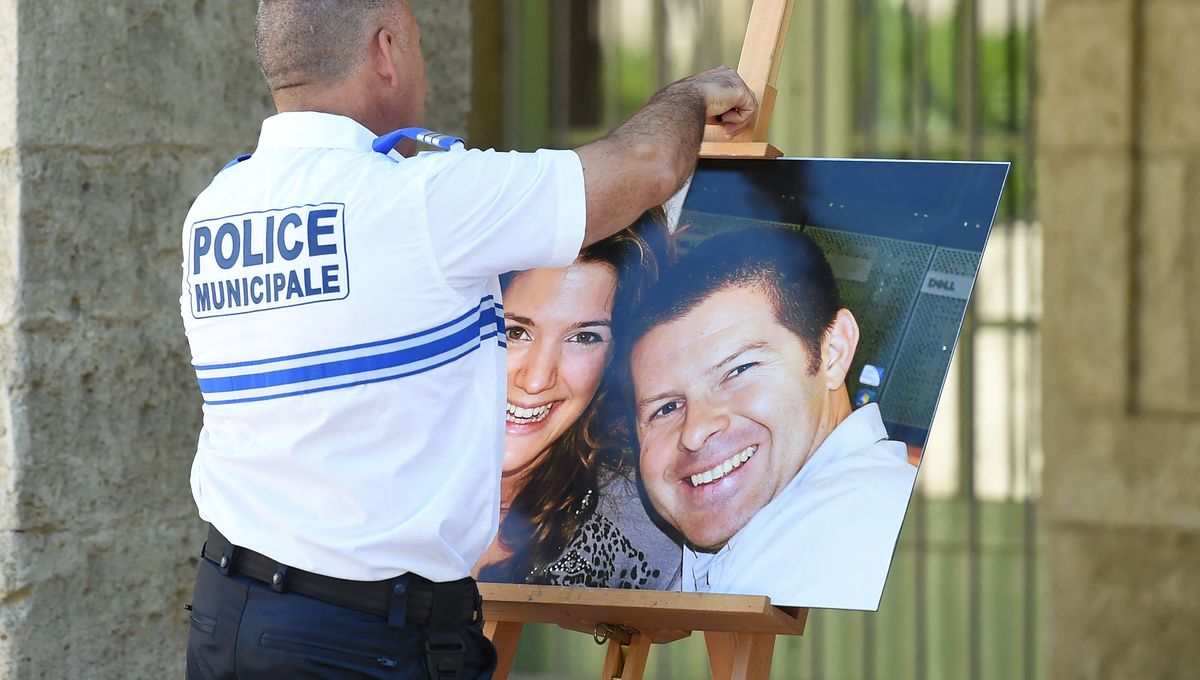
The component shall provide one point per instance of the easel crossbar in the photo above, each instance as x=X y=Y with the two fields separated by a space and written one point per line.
x=665 y=616
x=739 y=630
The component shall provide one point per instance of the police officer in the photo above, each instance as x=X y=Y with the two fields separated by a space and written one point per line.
x=341 y=302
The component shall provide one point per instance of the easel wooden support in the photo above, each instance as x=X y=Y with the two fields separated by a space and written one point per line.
x=762 y=52
x=739 y=630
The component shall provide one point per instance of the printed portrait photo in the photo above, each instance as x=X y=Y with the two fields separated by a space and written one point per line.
x=734 y=397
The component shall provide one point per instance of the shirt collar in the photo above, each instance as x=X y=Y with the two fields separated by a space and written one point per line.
x=313 y=130
x=703 y=568
x=862 y=428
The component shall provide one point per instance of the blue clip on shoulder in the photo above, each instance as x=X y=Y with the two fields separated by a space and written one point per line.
x=235 y=161
x=386 y=143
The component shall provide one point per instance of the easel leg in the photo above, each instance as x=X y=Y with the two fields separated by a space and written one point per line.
x=720 y=654
x=635 y=657
x=626 y=662
x=504 y=636
x=740 y=656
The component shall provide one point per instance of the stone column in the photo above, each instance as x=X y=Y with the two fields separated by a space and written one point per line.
x=113 y=116
x=1119 y=118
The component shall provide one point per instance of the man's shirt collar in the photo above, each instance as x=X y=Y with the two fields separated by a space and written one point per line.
x=313 y=130
x=862 y=428
x=701 y=569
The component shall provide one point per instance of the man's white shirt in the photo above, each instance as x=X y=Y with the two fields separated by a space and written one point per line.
x=827 y=539
x=346 y=328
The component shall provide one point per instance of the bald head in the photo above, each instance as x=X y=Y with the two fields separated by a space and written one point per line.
x=315 y=43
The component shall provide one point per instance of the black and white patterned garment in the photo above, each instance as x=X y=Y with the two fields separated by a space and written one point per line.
x=618 y=546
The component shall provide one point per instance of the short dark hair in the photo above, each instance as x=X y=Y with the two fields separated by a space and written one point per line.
x=784 y=263
x=313 y=42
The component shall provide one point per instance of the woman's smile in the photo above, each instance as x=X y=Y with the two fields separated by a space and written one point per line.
x=527 y=416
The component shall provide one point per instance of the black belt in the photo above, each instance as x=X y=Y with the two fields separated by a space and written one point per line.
x=419 y=597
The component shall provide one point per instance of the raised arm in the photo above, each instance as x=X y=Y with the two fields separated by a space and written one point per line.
x=647 y=159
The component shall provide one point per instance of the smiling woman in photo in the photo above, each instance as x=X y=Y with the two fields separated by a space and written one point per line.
x=570 y=512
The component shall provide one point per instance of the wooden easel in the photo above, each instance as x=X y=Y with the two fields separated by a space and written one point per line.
x=739 y=630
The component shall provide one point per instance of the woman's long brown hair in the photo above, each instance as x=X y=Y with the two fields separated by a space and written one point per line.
x=548 y=510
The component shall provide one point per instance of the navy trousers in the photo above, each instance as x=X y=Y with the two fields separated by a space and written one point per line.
x=241 y=628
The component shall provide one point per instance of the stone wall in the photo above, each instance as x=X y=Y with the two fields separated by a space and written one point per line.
x=446 y=44
x=113 y=116
x=1119 y=127
x=10 y=586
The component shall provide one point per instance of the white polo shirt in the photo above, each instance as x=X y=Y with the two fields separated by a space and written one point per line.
x=346 y=329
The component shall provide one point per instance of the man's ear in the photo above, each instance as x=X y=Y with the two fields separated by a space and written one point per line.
x=385 y=53
x=837 y=349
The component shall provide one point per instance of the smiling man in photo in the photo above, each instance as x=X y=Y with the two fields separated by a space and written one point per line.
x=749 y=446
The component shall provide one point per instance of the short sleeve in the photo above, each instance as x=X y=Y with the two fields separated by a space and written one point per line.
x=491 y=213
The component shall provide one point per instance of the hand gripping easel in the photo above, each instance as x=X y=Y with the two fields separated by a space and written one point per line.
x=762 y=52
x=739 y=630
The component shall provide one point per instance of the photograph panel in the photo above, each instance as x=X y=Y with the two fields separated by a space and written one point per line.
x=745 y=406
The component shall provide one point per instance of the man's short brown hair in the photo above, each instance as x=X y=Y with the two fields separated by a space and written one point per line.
x=314 y=42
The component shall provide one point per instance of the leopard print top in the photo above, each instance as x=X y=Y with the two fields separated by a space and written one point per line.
x=618 y=546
